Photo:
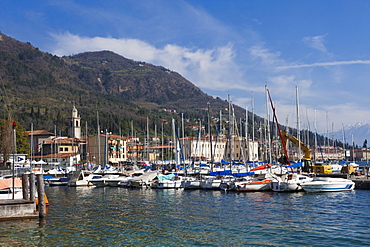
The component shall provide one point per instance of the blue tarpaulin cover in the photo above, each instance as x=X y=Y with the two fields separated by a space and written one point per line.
x=243 y=174
x=298 y=164
x=221 y=173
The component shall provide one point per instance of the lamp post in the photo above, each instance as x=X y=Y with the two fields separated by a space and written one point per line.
x=14 y=151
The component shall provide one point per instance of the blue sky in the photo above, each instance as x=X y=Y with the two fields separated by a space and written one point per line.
x=224 y=47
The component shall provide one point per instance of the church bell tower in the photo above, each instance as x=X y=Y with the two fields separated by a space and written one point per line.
x=74 y=130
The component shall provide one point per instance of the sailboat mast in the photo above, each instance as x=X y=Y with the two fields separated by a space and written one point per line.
x=246 y=135
x=232 y=140
x=252 y=99
x=353 y=149
x=268 y=149
x=298 y=126
x=147 y=143
x=31 y=145
x=314 y=153
x=99 y=144
x=210 y=134
x=88 y=158
x=174 y=140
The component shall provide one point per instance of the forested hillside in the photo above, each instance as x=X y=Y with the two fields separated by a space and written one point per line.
x=40 y=88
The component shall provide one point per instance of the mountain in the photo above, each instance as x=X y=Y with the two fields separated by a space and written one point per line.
x=356 y=133
x=41 y=88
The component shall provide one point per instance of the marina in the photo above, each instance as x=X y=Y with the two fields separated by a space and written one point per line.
x=116 y=216
x=152 y=123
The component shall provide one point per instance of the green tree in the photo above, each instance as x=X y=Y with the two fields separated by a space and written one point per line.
x=23 y=147
x=7 y=138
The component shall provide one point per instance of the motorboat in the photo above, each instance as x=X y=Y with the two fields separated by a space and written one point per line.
x=191 y=183
x=10 y=192
x=53 y=181
x=261 y=182
x=211 y=182
x=82 y=178
x=328 y=184
x=138 y=180
x=249 y=184
x=6 y=188
x=289 y=182
x=101 y=181
x=170 y=181
x=116 y=181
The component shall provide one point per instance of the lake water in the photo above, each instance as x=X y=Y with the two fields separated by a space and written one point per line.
x=148 y=217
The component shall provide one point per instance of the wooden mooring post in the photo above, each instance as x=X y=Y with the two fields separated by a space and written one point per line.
x=25 y=187
x=32 y=187
x=41 y=196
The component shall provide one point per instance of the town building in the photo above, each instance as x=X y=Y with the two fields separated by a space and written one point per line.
x=36 y=138
x=107 y=149
x=50 y=149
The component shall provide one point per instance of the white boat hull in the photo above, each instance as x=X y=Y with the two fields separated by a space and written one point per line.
x=289 y=182
x=253 y=186
x=280 y=186
x=328 y=185
x=190 y=183
x=167 y=185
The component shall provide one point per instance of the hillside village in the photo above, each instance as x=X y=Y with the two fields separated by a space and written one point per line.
x=52 y=150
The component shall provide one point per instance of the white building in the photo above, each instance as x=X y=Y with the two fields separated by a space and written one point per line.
x=74 y=130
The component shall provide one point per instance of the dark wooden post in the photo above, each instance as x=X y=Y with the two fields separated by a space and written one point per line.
x=40 y=196
x=32 y=187
x=25 y=186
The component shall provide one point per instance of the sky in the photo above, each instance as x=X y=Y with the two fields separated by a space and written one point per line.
x=310 y=53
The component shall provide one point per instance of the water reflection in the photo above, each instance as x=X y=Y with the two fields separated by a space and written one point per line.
x=127 y=217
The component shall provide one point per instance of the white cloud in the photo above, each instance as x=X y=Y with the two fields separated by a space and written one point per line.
x=211 y=68
x=335 y=63
x=316 y=42
x=266 y=57
x=217 y=69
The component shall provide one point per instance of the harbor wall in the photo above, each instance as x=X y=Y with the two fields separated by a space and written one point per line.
x=16 y=209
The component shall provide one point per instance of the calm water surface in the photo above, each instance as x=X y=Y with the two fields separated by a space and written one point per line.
x=133 y=217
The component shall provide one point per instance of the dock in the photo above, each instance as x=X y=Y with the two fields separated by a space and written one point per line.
x=361 y=183
x=26 y=208
x=17 y=209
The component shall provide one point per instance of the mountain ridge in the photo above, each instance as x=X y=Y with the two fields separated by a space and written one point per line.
x=41 y=88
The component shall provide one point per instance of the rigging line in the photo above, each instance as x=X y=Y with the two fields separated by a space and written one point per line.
x=278 y=126
x=237 y=134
